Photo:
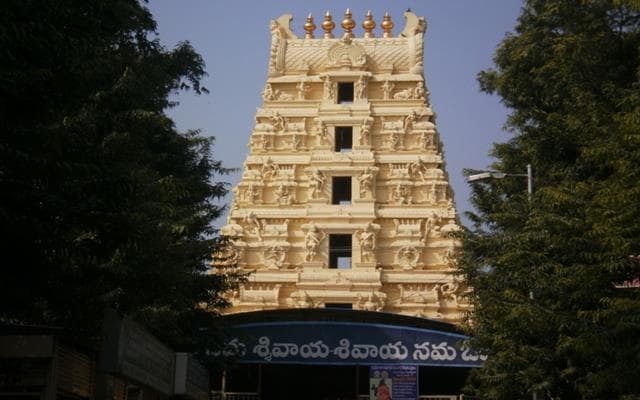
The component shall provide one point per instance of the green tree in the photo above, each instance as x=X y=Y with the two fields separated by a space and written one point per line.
x=103 y=202
x=543 y=272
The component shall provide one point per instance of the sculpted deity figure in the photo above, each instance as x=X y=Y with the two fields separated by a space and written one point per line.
x=367 y=242
x=275 y=256
x=431 y=226
x=316 y=184
x=401 y=195
x=360 y=87
x=303 y=88
x=312 y=241
x=252 y=194
x=321 y=131
x=418 y=169
x=283 y=195
x=372 y=302
x=408 y=257
x=419 y=92
x=366 y=182
x=269 y=169
x=365 y=132
x=253 y=224
x=410 y=119
x=268 y=93
x=426 y=140
x=387 y=87
x=449 y=258
x=395 y=139
x=329 y=89
x=449 y=291
x=278 y=122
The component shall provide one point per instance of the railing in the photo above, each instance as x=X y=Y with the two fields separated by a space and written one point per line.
x=218 y=395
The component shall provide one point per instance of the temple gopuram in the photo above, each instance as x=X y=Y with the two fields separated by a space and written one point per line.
x=342 y=221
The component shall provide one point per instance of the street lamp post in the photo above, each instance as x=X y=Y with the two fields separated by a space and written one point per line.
x=485 y=175
x=501 y=175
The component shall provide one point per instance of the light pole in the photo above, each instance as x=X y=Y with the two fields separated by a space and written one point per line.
x=501 y=175
x=485 y=175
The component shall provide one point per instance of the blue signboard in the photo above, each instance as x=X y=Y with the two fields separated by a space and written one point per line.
x=347 y=343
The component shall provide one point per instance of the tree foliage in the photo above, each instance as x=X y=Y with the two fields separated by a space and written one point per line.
x=104 y=203
x=544 y=272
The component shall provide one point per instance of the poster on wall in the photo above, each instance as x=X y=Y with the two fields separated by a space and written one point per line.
x=393 y=382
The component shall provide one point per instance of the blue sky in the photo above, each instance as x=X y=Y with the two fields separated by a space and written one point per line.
x=233 y=38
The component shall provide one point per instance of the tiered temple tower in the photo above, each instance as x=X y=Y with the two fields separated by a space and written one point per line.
x=344 y=200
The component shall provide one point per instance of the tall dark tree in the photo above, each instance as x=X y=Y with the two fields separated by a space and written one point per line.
x=544 y=271
x=103 y=203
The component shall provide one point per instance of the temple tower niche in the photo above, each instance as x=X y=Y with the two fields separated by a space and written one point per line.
x=344 y=200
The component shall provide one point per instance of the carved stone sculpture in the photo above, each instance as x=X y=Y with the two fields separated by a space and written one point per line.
x=365 y=132
x=408 y=257
x=302 y=88
x=277 y=121
x=312 y=241
x=317 y=181
x=269 y=169
x=367 y=238
x=283 y=194
x=387 y=87
x=329 y=89
x=360 y=88
x=401 y=194
x=365 y=181
x=253 y=225
x=275 y=257
x=418 y=169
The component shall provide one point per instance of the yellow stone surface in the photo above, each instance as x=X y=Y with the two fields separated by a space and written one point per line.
x=401 y=205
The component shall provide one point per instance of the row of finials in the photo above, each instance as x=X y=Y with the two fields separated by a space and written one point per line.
x=348 y=24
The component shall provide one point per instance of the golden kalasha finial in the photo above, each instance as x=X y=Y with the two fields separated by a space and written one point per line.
x=348 y=24
x=328 y=25
x=368 y=24
x=309 y=27
x=387 y=25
